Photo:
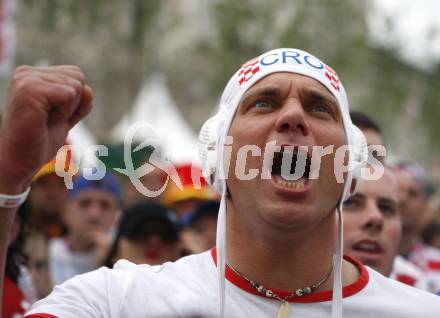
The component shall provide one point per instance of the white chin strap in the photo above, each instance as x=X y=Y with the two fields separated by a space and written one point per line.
x=221 y=252
x=337 y=265
x=338 y=256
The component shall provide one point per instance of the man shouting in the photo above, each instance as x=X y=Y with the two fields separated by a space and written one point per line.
x=279 y=239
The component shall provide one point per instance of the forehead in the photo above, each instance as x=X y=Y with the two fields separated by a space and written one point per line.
x=385 y=187
x=290 y=81
x=93 y=195
x=49 y=179
x=406 y=179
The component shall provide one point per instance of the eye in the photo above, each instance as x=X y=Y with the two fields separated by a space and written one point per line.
x=320 y=109
x=412 y=193
x=351 y=203
x=105 y=205
x=263 y=104
x=85 y=203
x=388 y=209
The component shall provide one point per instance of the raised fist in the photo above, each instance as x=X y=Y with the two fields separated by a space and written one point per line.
x=42 y=105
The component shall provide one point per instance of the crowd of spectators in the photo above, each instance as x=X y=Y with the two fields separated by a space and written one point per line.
x=392 y=225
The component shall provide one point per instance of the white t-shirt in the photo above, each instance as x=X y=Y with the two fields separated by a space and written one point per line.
x=188 y=288
x=26 y=284
x=406 y=272
x=64 y=263
x=427 y=258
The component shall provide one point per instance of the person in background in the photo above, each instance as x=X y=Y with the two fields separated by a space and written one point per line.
x=187 y=199
x=36 y=251
x=372 y=224
x=413 y=197
x=373 y=228
x=369 y=127
x=90 y=212
x=18 y=290
x=431 y=234
x=402 y=269
x=414 y=192
x=47 y=197
x=200 y=228
x=148 y=233
x=371 y=130
x=153 y=181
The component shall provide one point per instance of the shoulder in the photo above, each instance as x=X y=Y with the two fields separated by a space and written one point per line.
x=188 y=264
x=84 y=295
x=127 y=288
x=406 y=272
x=187 y=271
x=383 y=297
x=402 y=297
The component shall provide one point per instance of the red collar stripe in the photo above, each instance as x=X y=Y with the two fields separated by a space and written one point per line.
x=327 y=295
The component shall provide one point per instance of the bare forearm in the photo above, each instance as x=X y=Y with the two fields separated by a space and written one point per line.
x=41 y=106
x=6 y=219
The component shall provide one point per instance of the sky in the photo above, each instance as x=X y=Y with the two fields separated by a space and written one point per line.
x=415 y=31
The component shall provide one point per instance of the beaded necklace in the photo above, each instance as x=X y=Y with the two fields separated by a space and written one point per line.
x=284 y=310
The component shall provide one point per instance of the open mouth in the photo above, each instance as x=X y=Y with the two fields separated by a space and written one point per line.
x=367 y=246
x=291 y=168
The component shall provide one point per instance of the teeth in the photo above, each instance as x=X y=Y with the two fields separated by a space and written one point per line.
x=297 y=184
x=367 y=246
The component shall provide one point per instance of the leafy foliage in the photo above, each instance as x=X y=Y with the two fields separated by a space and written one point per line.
x=199 y=45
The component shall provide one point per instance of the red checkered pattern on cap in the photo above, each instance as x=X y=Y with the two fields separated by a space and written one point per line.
x=248 y=70
x=332 y=76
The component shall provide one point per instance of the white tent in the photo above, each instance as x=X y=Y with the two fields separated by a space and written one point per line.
x=155 y=106
x=80 y=136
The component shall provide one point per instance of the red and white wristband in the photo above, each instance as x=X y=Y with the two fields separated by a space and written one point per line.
x=13 y=201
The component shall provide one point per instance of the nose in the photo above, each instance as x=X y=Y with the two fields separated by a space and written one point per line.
x=374 y=219
x=94 y=212
x=292 y=118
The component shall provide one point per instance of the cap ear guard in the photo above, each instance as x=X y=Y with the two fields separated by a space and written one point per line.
x=359 y=157
x=208 y=137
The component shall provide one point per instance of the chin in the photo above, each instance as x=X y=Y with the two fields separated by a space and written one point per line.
x=289 y=218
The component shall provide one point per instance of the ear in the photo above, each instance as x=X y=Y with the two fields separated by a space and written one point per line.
x=359 y=157
x=208 y=149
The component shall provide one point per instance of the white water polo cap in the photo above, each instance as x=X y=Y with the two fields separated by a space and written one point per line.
x=213 y=137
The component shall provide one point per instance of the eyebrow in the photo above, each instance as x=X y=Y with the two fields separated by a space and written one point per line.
x=264 y=91
x=319 y=96
x=358 y=196
x=387 y=200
